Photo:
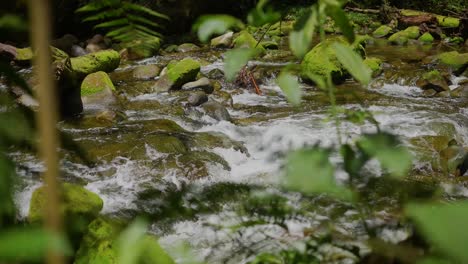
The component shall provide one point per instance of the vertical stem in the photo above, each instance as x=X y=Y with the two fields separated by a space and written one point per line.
x=47 y=116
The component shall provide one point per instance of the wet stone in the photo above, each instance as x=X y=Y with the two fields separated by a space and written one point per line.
x=197 y=98
x=203 y=84
x=217 y=111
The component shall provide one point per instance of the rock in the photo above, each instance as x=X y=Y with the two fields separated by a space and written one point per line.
x=245 y=40
x=426 y=38
x=197 y=98
x=461 y=91
x=201 y=84
x=78 y=207
x=145 y=72
x=187 y=47
x=314 y=63
x=452 y=157
x=140 y=49
x=223 y=41
x=96 y=39
x=92 y=48
x=97 y=88
x=171 y=48
x=458 y=62
x=448 y=22
x=77 y=51
x=375 y=64
x=24 y=56
x=429 y=93
x=178 y=74
x=216 y=111
x=402 y=37
x=107 y=61
x=433 y=80
x=99 y=245
x=412 y=32
x=444 y=94
x=65 y=43
x=215 y=74
x=382 y=31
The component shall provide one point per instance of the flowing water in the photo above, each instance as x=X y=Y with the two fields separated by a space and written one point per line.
x=208 y=178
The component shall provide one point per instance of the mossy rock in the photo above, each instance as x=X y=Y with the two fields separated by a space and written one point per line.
x=100 y=245
x=106 y=60
x=25 y=55
x=433 y=80
x=97 y=82
x=448 y=22
x=144 y=72
x=182 y=72
x=322 y=60
x=399 y=38
x=458 y=62
x=412 y=32
x=426 y=38
x=382 y=31
x=375 y=64
x=246 y=40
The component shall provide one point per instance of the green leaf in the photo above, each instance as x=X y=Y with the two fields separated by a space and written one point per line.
x=209 y=25
x=13 y=22
x=387 y=149
x=342 y=21
x=261 y=16
x=300 y=39
x=443 y=225
x=310 y=171
x=290 y=86
x=353 y=161
x=129 y=242
x=28 y=244
x=136 y=7
x=353 y=63
x=112 y=23
x=235 y=60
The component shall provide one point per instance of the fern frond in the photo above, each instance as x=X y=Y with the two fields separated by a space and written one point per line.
x=110 y=14
x=143 y=20
x=147 y=30
x=134 y=7
x=119 y=31
x=95 y=6
x=113 y=23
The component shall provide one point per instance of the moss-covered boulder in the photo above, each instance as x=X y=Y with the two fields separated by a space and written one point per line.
x=322 y=60
x=426 y=38
x=246 y=40
x=223 y=41
x=95 y=83
x=375 y=64
x=187 y=47
x=402 y=37
x=24 y=56
x=178 y=74
x=458 y=62
x=382 y=31
x=100 y=245
x=448 y=22
x=106 y=60
x=433 y=80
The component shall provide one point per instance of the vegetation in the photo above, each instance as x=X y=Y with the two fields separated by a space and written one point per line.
x=178 y=160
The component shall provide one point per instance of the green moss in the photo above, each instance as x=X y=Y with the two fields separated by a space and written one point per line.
x=399 y=38
x=448 y=22
x=96 y=83
x=382 y=31
x=454 y=59
x=321 y=60
x=100 y=246
x=27 y=54
x=246 y=40
x=374 y=64
x=426 y=38
x=412 y=32
x=183 y=72
x=77 y=202
x=106 y=60
x=432 y=75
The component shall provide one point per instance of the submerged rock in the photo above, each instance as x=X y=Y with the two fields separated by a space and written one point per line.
x=178 y=74
x=433 y=80
x=187 y=47
x=107 y=61
x=216 y=111
x=99 y=245
x=223 y=41
x=203 y=84
x=197 y=98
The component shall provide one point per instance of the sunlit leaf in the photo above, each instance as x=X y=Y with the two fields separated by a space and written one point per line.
x=387 y=149
x=353 y=63
x=342 y=21
x=310 y=171
x=209 y=25
x=129 y=243
x=30 y=244
x=262 y=15
x=235 y=60
x=300 y=39
x=443 y=225
x=290 y=86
